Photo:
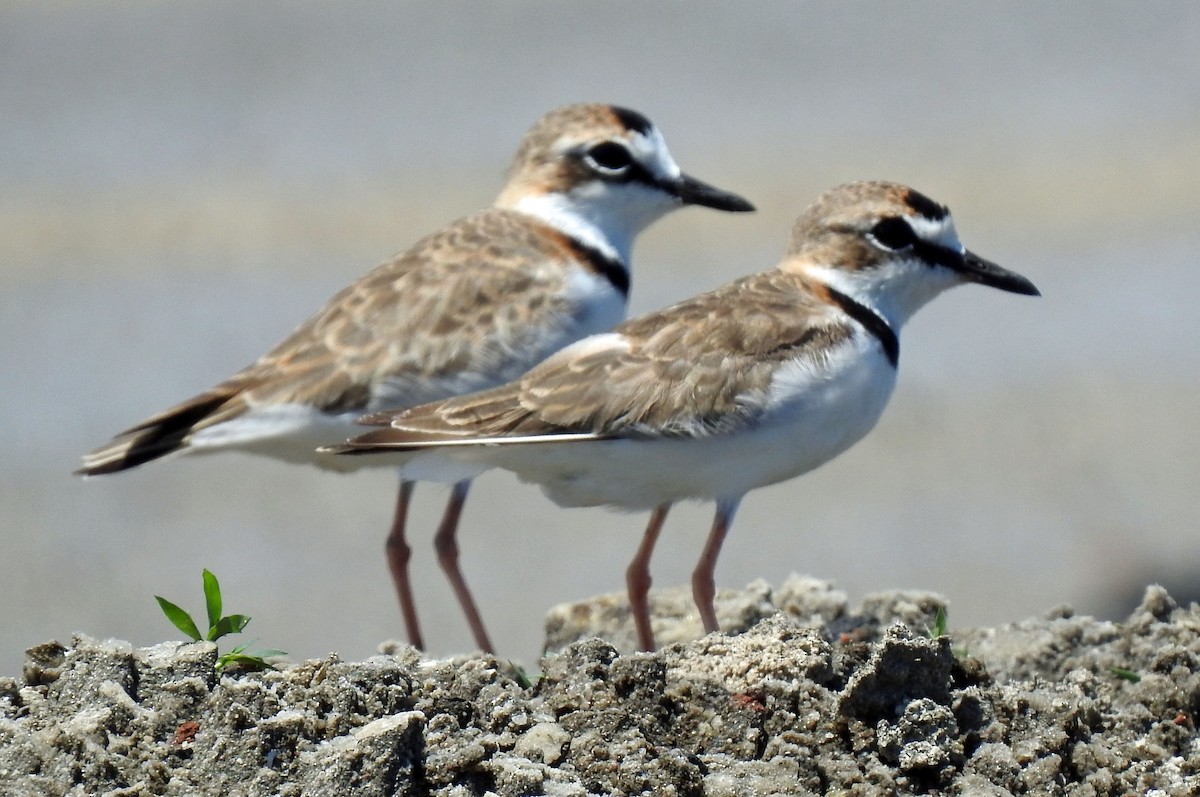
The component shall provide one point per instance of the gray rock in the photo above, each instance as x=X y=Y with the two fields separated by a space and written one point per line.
x=804 y=695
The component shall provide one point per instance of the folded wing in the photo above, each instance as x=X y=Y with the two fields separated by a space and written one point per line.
x=418 y=327
x=690 y=370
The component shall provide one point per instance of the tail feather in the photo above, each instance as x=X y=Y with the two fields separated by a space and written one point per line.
x=153 y=438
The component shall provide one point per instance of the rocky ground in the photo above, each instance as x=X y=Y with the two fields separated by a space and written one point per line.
x=806 y=695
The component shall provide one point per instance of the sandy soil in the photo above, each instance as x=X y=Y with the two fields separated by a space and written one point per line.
x=806 y=695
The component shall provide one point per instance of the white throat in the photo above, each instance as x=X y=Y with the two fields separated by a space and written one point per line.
x=563 y=215
x=895 y=291
x=605 y=216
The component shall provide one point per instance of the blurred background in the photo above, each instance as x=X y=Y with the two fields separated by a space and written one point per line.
x=181 y=184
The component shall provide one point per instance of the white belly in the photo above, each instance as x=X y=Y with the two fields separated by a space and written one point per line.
x=287 y=432
x=812 y=416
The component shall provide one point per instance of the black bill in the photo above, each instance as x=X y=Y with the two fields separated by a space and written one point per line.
x=985 y=272
x=695 y=192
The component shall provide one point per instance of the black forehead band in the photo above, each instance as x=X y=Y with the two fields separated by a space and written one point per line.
x=633 y=120
x=925 y=206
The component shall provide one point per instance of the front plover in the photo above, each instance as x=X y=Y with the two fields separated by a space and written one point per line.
x=470 y=306
x=748 y=385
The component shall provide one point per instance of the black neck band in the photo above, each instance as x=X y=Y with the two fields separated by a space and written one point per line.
x=872 y=322
x=611 y=268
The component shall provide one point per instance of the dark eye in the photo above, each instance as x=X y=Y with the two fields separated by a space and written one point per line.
x=892 y=233
x=609 y=157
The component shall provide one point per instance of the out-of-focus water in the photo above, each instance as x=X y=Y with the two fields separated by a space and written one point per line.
x=180 y=185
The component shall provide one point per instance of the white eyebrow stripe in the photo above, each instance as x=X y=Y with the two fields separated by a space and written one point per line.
x=940 y=231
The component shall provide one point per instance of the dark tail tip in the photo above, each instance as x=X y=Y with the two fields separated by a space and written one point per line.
x=151 y=439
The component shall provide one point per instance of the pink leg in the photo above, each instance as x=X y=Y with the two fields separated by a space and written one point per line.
x=446 y=544
x=637 y=578
x=704 y=588
x=398 y=554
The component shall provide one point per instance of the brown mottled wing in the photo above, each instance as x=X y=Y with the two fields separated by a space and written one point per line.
x=700 y=367
x=401 y=335
x=455 y=302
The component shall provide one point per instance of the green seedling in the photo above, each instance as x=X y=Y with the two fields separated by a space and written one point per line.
x=941 y=628
x=1125 y=675
x=941 y=623
x=520 y=676
x=218 y=626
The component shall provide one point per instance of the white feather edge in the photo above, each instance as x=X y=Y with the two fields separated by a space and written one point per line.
x=350 y=447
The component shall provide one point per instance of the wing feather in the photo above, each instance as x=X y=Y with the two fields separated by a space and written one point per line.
x=452 y=309
x=701 y=367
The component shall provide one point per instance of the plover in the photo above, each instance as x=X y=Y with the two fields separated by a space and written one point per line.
x=470 y=306
x=748 y=385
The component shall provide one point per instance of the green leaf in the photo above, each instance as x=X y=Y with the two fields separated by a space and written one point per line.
x=232 y=624
x=181 y=619
x=1125 y=674
x=263 y=653
x=253 y=661
x=519 y=675
x=941 y=624
x=212 y=600
x=249 y=662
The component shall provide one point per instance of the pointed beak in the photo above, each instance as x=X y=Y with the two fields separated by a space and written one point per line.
x=985 y=272
x=696 y=192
